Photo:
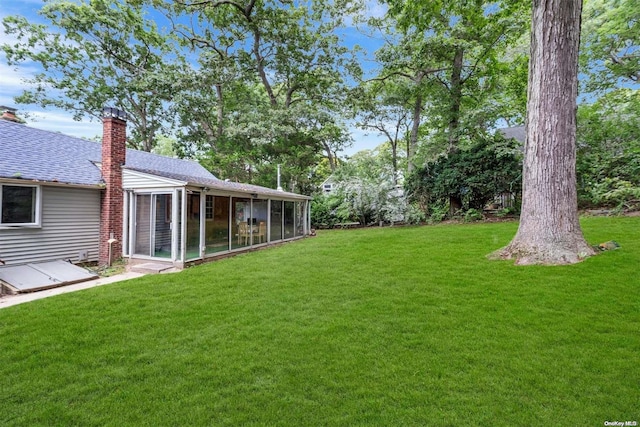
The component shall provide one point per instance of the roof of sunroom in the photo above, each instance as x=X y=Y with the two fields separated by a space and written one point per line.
x=218 y=184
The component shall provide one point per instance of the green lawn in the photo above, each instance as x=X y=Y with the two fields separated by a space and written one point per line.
x=385 y=327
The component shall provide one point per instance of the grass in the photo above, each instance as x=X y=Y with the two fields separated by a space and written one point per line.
x=393 y=326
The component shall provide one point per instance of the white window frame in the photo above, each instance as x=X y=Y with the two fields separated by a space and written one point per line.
x=38 y=208
x=208 y=209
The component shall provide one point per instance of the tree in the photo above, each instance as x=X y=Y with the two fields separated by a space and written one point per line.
x=549 y=230
x=271 y=84
x=365 y=184
x=608 y=158
x=475 y=175
x=102 y=52
x=383 y=110
x=608 y=147
x=455 y=52
x=611 y=42
x=406 y=70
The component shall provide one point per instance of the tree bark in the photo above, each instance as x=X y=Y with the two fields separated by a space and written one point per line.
x=413 y=139
x=330 y=157
x=220 y=128
x=549 y=230
x=260 y=67
x=455 y=200
x=456 y=99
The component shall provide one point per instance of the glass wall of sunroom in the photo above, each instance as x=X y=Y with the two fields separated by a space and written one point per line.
x=187 y=224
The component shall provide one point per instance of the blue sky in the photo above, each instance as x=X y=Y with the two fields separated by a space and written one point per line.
x=12 y=82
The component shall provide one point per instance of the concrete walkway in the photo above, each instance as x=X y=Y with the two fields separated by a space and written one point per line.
x=9 y=300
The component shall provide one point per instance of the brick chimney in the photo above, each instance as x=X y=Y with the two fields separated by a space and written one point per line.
x=9 y=113
x=114 y=140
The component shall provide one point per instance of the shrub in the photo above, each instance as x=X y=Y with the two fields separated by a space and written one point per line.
x=414 y=214
x=506 y=212
x=438 y=212
x=472 y=176
x=473 y=215
x=615 y=192
x=326 y=211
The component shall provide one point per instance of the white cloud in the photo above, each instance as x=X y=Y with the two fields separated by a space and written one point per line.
x=12 y=81
x=55 y=120
x=374 y=9
x=62 y=121
x=7 y=38
x=13 y=76
x=38 y=3
x=370 y=9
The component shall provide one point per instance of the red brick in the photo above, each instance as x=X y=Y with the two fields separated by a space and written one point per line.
x=114 y=141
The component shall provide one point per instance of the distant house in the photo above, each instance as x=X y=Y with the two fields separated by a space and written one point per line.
x=328 y=185
x=63 y=197
x=518 y=133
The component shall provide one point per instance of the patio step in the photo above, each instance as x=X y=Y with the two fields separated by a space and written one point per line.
x=153 y=268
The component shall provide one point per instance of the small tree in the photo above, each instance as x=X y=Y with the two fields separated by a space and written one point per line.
x=365 y=191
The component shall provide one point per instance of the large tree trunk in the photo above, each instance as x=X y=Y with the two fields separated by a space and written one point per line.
x=549 y=231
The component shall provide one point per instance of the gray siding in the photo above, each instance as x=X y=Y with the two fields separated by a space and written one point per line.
x=70 y=224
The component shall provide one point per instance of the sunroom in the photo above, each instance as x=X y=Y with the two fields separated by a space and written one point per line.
x=181 y=219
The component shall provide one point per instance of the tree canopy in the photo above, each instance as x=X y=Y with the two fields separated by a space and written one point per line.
x=610 y=43
x=245 y=85
x=96 y=54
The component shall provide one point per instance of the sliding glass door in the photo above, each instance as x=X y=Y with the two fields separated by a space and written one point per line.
x=143 y=225
x=276 y=220
x=216 y=224
x=162 y=226
x=153 y=231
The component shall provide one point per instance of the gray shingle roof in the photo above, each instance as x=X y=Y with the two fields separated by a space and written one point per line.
x=39 y=155
x=165 y=166
x=36 y=154
x=516 y=132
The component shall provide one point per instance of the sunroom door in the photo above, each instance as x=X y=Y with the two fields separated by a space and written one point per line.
x=162 y=226
x=153 y=225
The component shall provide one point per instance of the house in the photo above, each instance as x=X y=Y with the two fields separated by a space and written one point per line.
x=67 y=198
x=328 y=185
x=519 y=133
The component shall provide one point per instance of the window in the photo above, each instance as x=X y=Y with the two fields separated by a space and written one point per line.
x=208 y=207
x=19 y=205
